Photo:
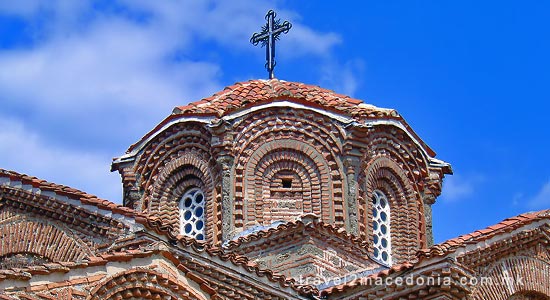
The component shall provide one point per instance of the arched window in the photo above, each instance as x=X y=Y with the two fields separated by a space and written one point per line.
x=192 y=214
x=381 y=227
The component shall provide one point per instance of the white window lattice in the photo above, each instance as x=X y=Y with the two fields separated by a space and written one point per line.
x=381 y=227
x=192 y=214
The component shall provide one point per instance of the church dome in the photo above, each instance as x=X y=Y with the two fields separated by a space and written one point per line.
x=262 y=152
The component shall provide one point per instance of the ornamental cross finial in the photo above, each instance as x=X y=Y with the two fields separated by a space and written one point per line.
x=269 y=34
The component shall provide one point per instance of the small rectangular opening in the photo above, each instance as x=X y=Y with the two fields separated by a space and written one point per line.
x=287 y=183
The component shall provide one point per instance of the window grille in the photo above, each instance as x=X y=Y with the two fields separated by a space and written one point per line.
x=192 y=214
x=381 y=228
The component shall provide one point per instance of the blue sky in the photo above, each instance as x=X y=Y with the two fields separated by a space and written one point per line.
x=82 y=80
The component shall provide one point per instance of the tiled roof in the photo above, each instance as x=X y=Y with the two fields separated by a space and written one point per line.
x=26 y=273
x=449 y=246
x=67 y=191
x=237 y=259
x=360 y=281
x=505 y=226
x=265 y=234
x=253 y=92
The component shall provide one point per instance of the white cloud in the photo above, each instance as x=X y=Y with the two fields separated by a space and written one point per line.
x=29 y=8
x=24 y=151
x=95 y=62
x=542 y=199
x=457 y=187
x=517 y=198
x=93 y=75
x=113 y=70
x=230 y=23
x=114 y=63
x=305 y=41
x=345 y=77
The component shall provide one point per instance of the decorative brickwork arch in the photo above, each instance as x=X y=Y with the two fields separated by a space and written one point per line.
x=313 y=138
x=167 y=146
x=173 y=180
x=267 y=199
x=144 y=284
x=514 y=278
x=385 y=175
x=44 y=240
x=395 y=143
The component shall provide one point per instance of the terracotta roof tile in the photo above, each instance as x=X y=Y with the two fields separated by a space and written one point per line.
x=200 y=246
x=450 y=246
x=64 y=190
x=244 y=94
x=359 y=281
x=26 y=273
x=150 y=222
x=506 y=225
x=265 y=234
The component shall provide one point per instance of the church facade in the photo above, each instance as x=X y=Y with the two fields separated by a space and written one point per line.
x=266 y=190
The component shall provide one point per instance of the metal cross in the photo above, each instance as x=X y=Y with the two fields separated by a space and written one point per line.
x=269 y=34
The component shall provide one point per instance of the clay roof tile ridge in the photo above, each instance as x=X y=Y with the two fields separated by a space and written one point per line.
x=506 y=225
